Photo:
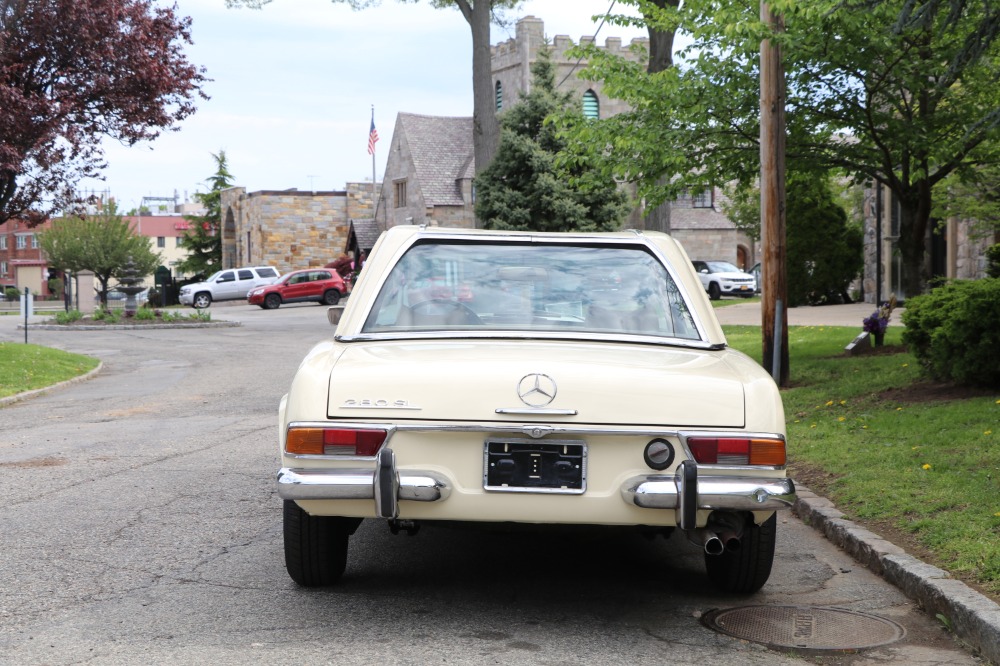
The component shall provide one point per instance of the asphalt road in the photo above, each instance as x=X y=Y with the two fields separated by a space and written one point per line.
x=140 y=525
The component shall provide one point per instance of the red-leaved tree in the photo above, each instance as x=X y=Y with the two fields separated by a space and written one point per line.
x=73 y=72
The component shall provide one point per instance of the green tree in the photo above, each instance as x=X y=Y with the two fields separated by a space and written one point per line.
x=824 y=247
x=479 y=15
x=524 y=188
x=203 y=238
x=902 y=92
x=103 y=243
x=973 y=195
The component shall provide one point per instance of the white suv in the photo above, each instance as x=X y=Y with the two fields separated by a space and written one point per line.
x=227 y=285
x=722 y=278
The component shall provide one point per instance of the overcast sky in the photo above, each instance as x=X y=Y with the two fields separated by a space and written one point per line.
x=294 y=84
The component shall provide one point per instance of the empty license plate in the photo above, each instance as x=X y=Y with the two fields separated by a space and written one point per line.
x=529 y=466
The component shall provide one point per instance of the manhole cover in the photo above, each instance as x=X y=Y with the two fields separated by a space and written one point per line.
x=804 y=627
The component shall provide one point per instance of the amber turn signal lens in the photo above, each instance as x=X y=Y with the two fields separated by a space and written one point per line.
x=767 y=452
x=304 y=441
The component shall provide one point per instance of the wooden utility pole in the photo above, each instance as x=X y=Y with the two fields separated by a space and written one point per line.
x=774 y=290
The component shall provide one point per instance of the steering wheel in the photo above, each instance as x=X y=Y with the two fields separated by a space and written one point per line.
x=445 y=311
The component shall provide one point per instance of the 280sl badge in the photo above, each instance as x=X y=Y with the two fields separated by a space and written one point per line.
x=377 y=403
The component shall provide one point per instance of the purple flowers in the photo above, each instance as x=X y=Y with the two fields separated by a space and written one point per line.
x=878 y=321
x=875 y=324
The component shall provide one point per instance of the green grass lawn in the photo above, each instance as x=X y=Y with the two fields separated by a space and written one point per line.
x=914 y=460
x=28 y=367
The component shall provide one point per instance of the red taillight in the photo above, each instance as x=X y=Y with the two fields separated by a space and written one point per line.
x=737 y=451
x=334 y=441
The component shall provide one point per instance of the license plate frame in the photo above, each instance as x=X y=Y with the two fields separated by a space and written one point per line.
x=549 y=466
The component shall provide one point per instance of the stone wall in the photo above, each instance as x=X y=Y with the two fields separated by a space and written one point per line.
x=292 y=229
x=708 y=244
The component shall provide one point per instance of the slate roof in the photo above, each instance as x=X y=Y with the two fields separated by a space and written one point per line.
x=365 y=232
x=441 y=149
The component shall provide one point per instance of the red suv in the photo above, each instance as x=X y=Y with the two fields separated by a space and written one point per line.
x=322 y=285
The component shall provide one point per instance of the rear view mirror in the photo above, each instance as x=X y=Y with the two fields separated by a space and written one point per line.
x=334 y=313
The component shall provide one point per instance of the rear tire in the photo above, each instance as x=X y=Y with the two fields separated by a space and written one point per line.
x=331 y=297
x=746 y=570
x=714 y=291
x=315 y=546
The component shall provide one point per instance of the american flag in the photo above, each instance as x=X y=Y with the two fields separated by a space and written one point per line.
x=372 y=137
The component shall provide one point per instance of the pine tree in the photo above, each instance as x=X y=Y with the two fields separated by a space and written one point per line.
x=528 y=187
x=203 y=238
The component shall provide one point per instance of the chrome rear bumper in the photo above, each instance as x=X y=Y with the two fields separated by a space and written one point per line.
x=686 y=491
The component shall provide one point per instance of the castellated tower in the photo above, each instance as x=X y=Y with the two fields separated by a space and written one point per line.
x=512 y=59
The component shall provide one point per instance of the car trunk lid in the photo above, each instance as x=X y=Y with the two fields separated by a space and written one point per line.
x=574 y=382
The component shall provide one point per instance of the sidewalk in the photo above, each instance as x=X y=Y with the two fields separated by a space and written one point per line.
x=807 y=315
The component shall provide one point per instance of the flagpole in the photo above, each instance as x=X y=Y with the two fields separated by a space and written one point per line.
x=374 y=203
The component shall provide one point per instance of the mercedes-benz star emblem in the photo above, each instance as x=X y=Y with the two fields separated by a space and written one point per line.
x=536 y=390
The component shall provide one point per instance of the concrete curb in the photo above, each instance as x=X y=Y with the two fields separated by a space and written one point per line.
x=127 y=327
x=17 y=397
x=971 y=616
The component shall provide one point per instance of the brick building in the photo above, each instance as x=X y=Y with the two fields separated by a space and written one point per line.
x=22 y=263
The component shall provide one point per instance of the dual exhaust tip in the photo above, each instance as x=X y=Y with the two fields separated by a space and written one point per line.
x=716 y=543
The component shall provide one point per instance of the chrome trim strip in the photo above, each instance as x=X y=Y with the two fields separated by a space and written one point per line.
x=521 y=411
x=731 y=493
x=528 y=334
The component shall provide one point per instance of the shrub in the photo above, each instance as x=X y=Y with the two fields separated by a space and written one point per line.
x=954 y=331
x=68 y=317
x=145 y=314
x=993 y=261
x=110 y=316
x=12 y=293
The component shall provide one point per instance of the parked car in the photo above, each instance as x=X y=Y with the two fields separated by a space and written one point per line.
x=721 y=278
x=226 y=285
x=321 y=285
x=545 y=396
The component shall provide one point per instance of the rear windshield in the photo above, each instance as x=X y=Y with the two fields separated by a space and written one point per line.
x=538 y=287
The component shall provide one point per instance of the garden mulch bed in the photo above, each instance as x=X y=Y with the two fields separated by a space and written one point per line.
x=128 y=323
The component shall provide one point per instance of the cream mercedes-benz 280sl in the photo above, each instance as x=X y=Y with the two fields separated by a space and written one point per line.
x=502 y=377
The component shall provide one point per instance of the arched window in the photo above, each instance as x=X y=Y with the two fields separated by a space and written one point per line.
x=499 y=90
x=591 y=106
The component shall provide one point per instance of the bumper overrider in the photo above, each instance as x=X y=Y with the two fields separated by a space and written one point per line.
x=686 y=491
